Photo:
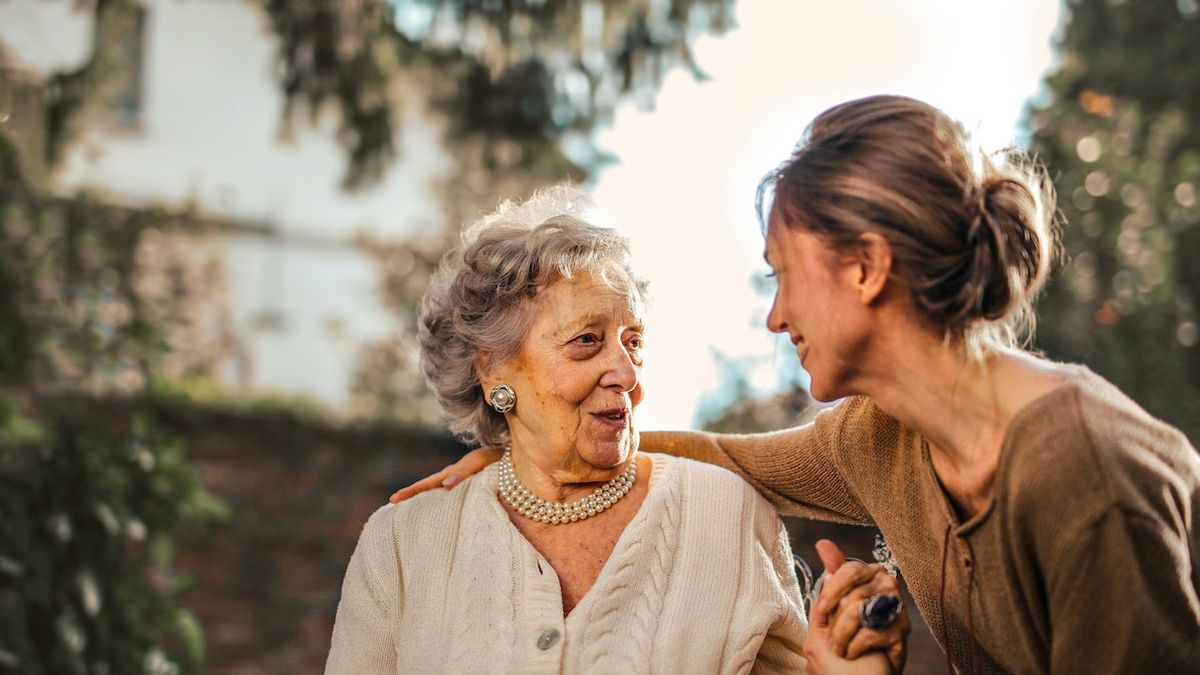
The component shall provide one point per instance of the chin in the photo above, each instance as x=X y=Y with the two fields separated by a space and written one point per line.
x=822 y=393
x=610 y=453
x=821 y=396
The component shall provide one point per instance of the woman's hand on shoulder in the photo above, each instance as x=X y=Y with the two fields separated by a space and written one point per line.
x=837 y=641
x=471 y=463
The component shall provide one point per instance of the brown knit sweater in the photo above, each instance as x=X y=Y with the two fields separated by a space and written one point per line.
x=1085 y=561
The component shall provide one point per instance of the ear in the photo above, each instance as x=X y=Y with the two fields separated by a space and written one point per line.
x=484 y=369
x=872 y=266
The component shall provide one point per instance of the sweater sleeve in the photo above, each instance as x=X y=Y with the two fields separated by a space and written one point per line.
x=782 y=650
x=369 y=606
x=1122 y=599
x=798 y=470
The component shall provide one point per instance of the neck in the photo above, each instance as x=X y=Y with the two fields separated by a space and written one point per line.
x=961 y=405
x=563 y=483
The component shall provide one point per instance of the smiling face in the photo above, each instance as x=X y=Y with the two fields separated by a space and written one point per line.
x=576 y=377
x=818 y=304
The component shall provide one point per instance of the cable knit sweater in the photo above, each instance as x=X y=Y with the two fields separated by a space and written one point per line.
x=701 y=581
x=1086 y=561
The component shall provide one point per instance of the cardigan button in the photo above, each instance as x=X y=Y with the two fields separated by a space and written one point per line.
x=547 y=639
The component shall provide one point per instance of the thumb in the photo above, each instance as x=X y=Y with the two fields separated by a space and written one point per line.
x=831 y=556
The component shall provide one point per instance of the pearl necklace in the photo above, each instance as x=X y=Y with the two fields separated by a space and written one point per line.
x=532 y=506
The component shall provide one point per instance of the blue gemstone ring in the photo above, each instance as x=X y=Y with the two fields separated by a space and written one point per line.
x=880 y=611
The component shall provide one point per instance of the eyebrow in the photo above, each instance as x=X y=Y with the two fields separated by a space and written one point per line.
x=591 y=319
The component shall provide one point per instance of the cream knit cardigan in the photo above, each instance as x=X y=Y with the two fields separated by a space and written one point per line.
x=700 y=581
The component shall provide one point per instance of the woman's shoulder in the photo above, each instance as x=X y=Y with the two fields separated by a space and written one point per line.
x=1088 y=414
x=1113 y=414
x=433 y=509
x=1107 y=448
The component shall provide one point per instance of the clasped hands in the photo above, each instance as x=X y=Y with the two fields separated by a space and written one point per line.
x=837 y=641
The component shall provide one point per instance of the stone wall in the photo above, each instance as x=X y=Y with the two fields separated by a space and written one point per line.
x=266 y=581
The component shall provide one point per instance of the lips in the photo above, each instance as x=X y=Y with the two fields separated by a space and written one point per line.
x=613 y=417
x=801 y=347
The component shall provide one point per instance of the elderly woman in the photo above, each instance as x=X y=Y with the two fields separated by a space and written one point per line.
x=574 y=552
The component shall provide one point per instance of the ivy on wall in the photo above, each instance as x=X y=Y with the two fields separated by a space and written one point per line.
x=90 y=502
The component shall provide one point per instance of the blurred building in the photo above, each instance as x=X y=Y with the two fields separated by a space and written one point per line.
x=195 y=124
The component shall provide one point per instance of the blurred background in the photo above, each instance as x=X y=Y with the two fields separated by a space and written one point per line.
x=217 y=218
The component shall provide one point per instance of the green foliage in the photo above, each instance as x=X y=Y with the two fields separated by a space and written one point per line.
x=1121 y=136
x=529 y=71
x=525 y=71
x=202 y=390
x=86 y=504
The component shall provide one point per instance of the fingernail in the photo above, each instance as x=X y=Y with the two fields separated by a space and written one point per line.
x=395 y=499
x=450 y=481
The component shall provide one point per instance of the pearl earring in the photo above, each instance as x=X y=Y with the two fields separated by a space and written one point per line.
x=503 y=398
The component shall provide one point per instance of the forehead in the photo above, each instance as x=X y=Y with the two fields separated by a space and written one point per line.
x=588 y=297
x=774 y=246
x=790 y=245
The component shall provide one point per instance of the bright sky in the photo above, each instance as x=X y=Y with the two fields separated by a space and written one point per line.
x=684 y=188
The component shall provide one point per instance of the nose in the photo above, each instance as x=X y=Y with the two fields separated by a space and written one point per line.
x=622 y=371
x=775 y=322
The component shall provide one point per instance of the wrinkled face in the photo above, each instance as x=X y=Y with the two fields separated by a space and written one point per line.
x=577 y=380
x=817 y=306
